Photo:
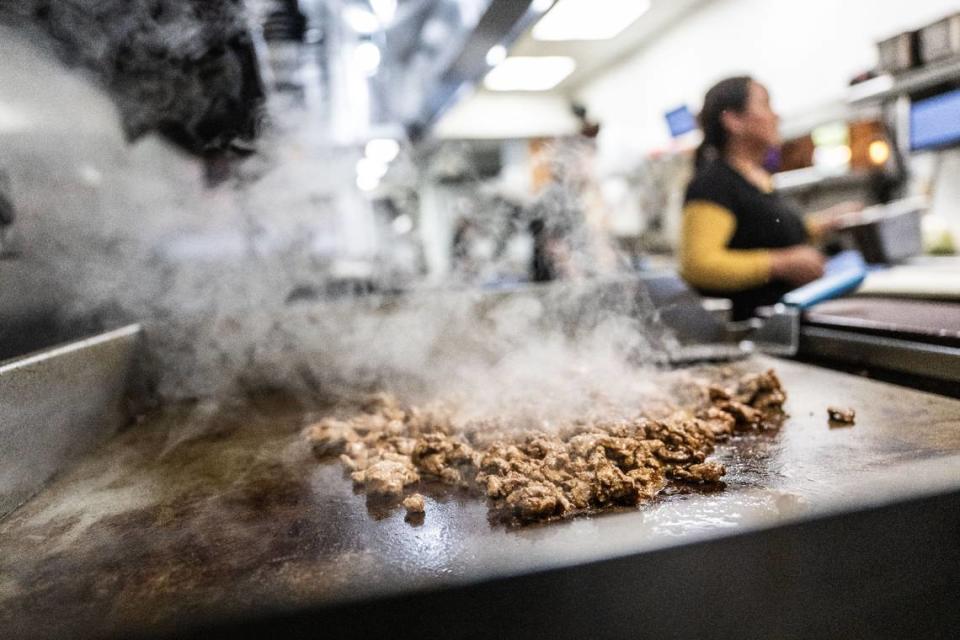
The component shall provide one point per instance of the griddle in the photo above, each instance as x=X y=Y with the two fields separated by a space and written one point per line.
x=935 y=322
x=914 y=337
x=231 y=527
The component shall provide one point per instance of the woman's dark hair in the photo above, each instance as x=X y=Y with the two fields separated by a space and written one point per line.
x=727 y=95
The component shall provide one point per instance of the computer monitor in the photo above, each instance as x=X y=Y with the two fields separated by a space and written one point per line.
x=935 y=122
x=680 y=121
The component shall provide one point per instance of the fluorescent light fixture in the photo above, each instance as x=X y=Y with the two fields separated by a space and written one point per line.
x=371 y=168
x=382 y=150
x=589 y=19
x=361 y=20
x=367 y=57
x=385 y=10
x=496 y=55
x=529 y=73
x=540 y=6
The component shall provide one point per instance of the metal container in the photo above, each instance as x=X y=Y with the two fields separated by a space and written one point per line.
x=940 y=40
x=888 y=234
x=58 y=405
x=899 y=53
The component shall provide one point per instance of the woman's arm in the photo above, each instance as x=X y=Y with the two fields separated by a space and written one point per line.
x=705 y=260
x=707 y=263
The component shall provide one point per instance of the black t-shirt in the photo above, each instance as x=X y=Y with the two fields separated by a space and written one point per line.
x=764 y=221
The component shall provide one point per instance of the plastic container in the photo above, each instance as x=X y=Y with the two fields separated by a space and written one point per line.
x=899 y=53
x=888 y=234
x=940 y=40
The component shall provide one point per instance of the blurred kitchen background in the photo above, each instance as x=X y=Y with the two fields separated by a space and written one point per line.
x=188 y=164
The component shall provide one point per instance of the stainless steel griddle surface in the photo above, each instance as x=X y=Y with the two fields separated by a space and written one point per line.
x=938 y=322
x=170 y=522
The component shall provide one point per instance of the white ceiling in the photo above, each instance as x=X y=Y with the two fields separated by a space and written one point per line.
x=593 y=57
x=488 y=114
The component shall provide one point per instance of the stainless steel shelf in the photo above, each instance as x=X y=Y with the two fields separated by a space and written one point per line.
x=888 y=87
x=803 y=180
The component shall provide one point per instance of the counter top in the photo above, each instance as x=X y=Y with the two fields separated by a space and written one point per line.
x=203 y=512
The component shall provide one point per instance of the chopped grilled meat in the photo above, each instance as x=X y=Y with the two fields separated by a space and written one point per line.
x=414 y=504
x=756 y=403
x=330 y=437
x=843 y=416
x=703 y=472
x=720 y=423
x=536 y=501
x=583 y=466
x=387 y=478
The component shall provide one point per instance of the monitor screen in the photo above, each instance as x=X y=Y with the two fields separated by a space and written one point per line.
x=680 y=121
x=935 y=122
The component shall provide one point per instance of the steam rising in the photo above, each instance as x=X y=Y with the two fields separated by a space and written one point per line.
x=185 y=68
x=129 y=233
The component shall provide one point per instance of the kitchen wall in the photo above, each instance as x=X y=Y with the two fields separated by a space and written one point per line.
x=805 y=52
x=510 y=115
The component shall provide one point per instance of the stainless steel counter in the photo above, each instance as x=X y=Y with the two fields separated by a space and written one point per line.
x=210 y=512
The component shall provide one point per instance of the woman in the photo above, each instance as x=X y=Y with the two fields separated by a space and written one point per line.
x=740 y=239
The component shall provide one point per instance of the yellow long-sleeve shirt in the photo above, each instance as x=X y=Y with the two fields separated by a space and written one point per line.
x=705 y=260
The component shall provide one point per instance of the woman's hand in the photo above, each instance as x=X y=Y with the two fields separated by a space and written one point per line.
x=797 y=265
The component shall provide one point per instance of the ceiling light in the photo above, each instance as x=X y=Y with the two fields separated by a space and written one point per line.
x=522 y=73
x=496 y=55
x=90 y=175
x=832 y=159
x=879 y=152
x=540 y=6
x=385 y=10
x=832 y=134
x=434 y=32
x=382 y=150
x=371 y=168
x=361 y=20
x=13 y=120
x=402 y=224
x=367 y=57
x=367 y=183
x=584 y=20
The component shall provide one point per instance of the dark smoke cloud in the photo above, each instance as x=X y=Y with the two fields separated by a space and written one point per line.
x=183 y=68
